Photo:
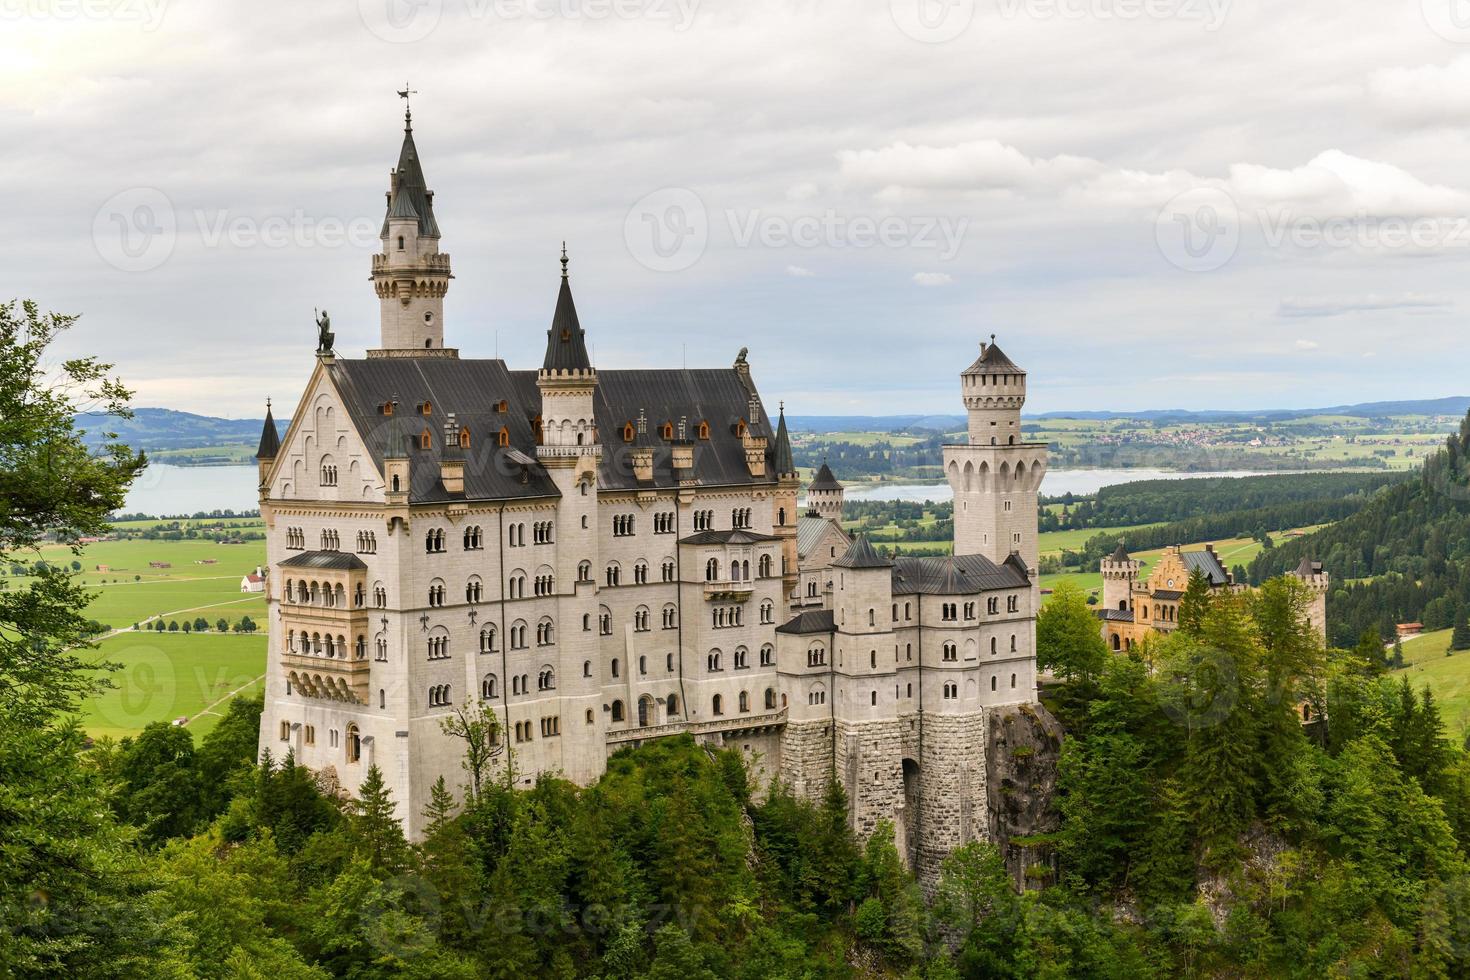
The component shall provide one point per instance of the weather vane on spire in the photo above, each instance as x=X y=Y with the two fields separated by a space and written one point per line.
x=404 y=94
x=563 y=260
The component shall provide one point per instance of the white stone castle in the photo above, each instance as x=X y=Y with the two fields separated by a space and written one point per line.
x=607 y=557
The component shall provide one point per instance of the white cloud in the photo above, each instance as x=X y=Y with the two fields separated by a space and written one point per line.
x=800 y=272
x=1435 y=94
x=932 y=279
x=1327 y=306
x=1307 y=345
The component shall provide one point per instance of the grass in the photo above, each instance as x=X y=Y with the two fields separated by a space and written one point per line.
x=171 y=675
x=1447 y=676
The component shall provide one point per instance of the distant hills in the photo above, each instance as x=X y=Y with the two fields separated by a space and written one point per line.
x=163 y=428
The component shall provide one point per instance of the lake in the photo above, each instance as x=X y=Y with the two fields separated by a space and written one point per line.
x=165 y=490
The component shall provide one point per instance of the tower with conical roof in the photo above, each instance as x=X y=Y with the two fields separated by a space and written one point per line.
x=996 y=476
x=824 y=495
x=411 y=275
x=1120 y=577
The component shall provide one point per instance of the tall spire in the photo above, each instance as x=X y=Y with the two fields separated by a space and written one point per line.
x=270 y=440
x=566 y=343
x=784 y=463
x=410 y=196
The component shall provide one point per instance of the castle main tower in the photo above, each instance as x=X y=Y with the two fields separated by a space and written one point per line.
x=411 y=275
x=996 y=477
x=1120 y=576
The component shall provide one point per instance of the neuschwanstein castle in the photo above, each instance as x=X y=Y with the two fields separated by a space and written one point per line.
x=608 y=557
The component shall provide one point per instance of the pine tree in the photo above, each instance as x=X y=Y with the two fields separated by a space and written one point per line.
x=440 y=808
x=1068 y=638
x=1460 y=638
x=372 y=827
x=1194 y=604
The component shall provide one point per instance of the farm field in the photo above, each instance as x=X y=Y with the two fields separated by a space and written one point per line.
x=168 y=675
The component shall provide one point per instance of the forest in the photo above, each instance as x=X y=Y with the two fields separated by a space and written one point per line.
x=1402 y=558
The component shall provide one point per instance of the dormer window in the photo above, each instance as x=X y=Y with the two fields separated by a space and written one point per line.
x=504 y=437
x=704 y=431
x=668 y=431
x=426 y=441
x=464 y=438
x=387 y=408
x=628 y=431
x=502 y=407
x=426 y=408
x=740 y=428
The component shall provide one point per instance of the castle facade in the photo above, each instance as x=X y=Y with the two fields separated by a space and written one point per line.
x=605 y=557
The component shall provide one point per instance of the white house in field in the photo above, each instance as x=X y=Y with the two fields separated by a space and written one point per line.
x=254 y=582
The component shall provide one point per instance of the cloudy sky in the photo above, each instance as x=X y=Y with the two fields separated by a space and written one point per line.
x=1152 y=203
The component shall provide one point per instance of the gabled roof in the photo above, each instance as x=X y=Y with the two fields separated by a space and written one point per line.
x=956 y=575
x=737 y=536
x=411 y=198
x=1308 y=568
x=992 y=360
x=566 y=344
x=1209 y=563
x=270 y=439
x=824 y=480
x=1115 y=615
x=811 y=621
x=334 y=560
x=810 y=531
x=860 y=555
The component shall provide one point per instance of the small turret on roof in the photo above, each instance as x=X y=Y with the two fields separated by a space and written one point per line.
x=1308 y=567
x=270 y=439
x=862 y=555
x=992 y=360
x=566 y=343
x=1120 y=554
x=783 y=461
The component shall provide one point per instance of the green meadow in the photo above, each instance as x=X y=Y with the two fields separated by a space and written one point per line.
x=1429 y=663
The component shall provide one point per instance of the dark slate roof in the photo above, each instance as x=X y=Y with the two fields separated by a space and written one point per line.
x=468 y=388
x=956 y=575
x=335 y=560
x=781 y=457
x=1209 y=563
x=861 y=555
x=811 y=621
x=270 y=439
x=992 y=360
x=714 y=395
x=1168 y=594
x=824 y=480
x=1116 y=615
x=809 y=531
x=737 y=536
x=566 y=343
x=472 y=388
x=1308 y=567
x=1120 y=553
x=411 y=198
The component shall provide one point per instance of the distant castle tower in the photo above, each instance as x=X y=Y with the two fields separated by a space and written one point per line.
x=1316 y=579
x=411 y=275
x=1120 y=576
x=824 y=495
x=996 y=477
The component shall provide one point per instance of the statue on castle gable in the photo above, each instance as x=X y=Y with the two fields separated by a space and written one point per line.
x=324 y=336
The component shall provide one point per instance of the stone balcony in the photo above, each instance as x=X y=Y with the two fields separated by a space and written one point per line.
x=335 y=678
x=714 y=726
x=729 y=591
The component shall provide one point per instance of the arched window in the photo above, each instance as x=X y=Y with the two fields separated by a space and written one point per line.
x=704 y=431
x=770 y=699
x=489 y=688
x=712 y=570
x=672 y=704
x=719 y=705
x=426 y=440
x=354 y=744
x=464 y=438
x=744 y=701
x=617 y=711
x=504 y=437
